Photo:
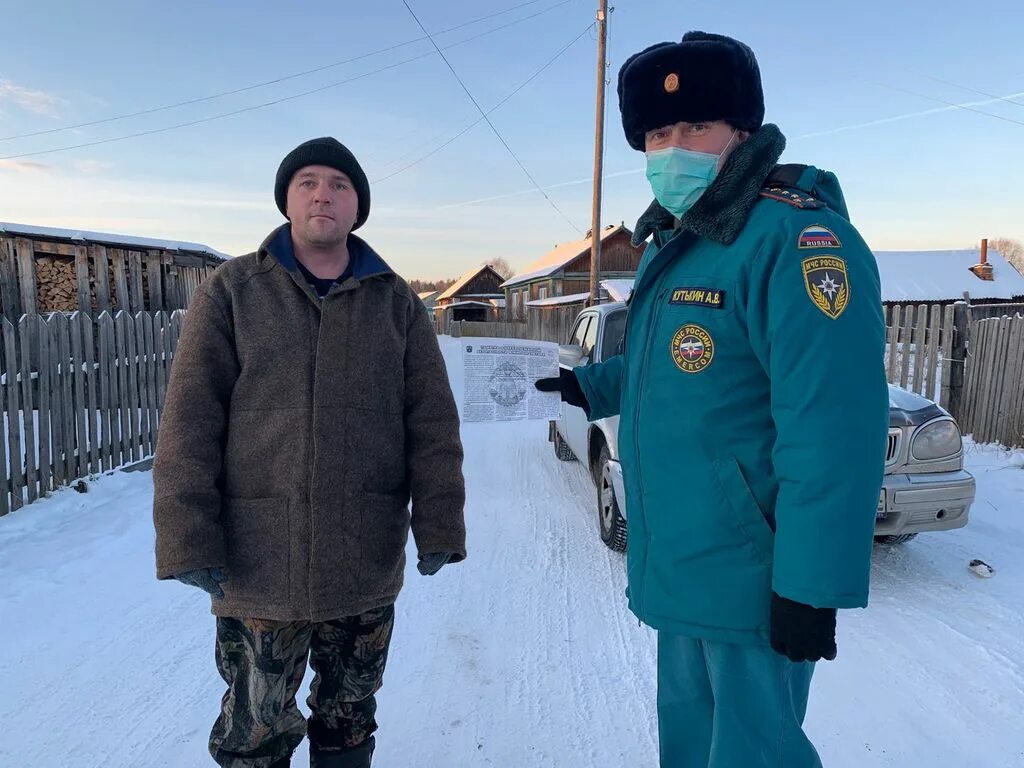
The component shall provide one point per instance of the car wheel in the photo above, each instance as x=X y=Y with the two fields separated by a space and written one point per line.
x=562 y=449
x=613 y=526
x=903 y=538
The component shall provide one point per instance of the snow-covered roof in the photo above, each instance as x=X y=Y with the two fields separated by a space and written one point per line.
x=944 y=276
x=562 y=255
x=465 y=280
x=427 y=295
x=484 y=304
x=556 y=301
x=108 y=238
x=617 y=290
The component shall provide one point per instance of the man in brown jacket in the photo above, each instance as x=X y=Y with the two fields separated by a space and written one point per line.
x=308 y=404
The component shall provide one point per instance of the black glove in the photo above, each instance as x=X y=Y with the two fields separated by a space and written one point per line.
x=801 y=632
x=207 y=579
x=568 y=386
x=432 y=563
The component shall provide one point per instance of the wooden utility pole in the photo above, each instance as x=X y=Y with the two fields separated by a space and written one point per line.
x=595 y=227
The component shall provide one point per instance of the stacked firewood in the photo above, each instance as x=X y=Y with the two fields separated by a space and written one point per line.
x=57 y=285
x=56 y=288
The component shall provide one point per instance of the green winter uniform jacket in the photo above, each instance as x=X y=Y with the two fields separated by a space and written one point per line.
x=753 y=402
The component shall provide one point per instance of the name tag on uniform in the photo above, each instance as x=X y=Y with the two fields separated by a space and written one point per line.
x=713 y=298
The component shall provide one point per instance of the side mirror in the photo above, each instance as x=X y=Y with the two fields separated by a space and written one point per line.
x=571 y=355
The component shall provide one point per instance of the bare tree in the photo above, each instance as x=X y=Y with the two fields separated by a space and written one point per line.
x=499 y=265
x=1011 y=250
x=421 y=286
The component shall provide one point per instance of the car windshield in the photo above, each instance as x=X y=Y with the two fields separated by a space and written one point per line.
x=614 y=326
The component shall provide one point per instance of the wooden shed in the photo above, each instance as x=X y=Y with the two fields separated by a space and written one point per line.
x=44 y=269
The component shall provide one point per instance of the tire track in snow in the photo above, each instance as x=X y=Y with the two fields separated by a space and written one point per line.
x=595 y=583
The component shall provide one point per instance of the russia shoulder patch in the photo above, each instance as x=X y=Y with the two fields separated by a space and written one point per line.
x=817 y=236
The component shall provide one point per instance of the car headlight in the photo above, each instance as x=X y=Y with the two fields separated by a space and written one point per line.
x=936 y=441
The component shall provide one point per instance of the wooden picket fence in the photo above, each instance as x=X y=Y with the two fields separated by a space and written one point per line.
x=993 y=410
x=920 y=341
x=919 y=357
x=551 y=323
x=80 y=396
x=922 y=353
x=547 y=324
x=495 y=330
x=967 y=357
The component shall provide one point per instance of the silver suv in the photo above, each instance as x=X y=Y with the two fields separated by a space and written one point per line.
x=925 y=488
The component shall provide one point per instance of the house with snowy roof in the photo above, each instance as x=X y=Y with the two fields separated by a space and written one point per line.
x=475 y=296
x=562 y=276
x=942 y=277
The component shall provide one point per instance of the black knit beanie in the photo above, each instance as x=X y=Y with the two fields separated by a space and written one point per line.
x=703 y=78
x=324 y=151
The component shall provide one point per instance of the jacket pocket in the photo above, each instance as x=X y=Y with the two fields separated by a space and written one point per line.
x=258 y=550
x=384 y=531
x=749 y=518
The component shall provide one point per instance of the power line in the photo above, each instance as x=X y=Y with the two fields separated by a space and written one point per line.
x=274 y=102
x=951 y=103
x=285 y=78
x=486 y=118
x=898 y=118
x=490 y=111
x=972 y=90
x=477 y=122
x=212 y=118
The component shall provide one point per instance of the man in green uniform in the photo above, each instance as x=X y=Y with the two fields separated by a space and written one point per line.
x=753 y=409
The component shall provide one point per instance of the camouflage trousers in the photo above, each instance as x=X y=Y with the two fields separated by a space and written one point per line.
x=264 y=662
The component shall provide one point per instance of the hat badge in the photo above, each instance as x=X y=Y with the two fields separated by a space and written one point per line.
x=672 y=83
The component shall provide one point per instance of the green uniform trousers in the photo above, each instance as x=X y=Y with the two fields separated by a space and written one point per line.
x=731 y=706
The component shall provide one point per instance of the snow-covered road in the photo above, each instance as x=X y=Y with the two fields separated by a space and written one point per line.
x=524 y=655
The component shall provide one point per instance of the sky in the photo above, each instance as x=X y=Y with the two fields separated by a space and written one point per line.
x=862 y=89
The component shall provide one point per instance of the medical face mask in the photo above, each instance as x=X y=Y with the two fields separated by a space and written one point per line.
x=680 y=176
